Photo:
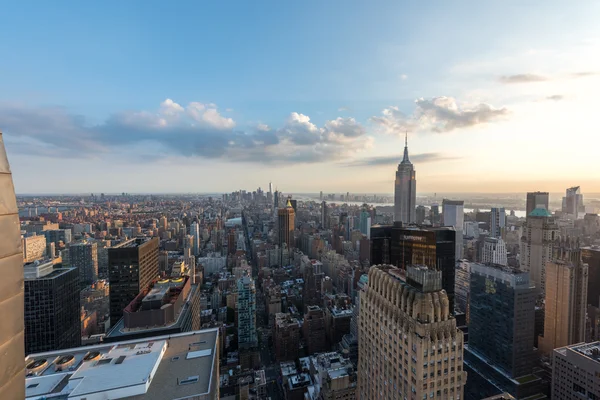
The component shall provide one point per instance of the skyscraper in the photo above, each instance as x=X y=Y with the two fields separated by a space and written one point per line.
x=591 y=257
x=195 y=232
x=501 y=315
x=404 y=246
x=454 y=215
x=537 y=200
x=162 y=223
x=539 y=233
x=566 y=297
x=497 y=221
x=52 y=313
x=405 y=190
x=408 y=338
x=132 y=266
x=420 y=214
x=246 y=312
x=286 y=221
x=572 y=203
x=324 y=215
x=84 y=257
x=365 y=223
x=12 y=379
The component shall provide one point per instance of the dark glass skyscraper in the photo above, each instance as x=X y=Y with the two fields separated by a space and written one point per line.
x=591 y=257
x=132 y=265
x=52 y=314
x=501 y=323
x=402 y=246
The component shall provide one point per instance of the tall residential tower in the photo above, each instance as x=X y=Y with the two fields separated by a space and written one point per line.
x=405 y=190
x=566 y=297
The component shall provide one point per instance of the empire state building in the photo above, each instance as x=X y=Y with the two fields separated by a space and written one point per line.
x=405 y=190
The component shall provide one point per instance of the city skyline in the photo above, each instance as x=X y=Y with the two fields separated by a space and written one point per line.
x=173 y=95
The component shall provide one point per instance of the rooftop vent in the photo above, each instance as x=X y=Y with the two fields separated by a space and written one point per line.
x=36 y=365
x=64 y=362
x=103 y=361
x=92 y=355
x=189 y=380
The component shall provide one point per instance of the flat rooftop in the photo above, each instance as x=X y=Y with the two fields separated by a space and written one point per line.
x=162 y=367
x=588 y=350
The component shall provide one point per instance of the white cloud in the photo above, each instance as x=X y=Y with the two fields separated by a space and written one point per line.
x=404 y=77
x=439 y=114
x=196 y=130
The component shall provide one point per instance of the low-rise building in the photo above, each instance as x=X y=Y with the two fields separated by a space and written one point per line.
x=169 y=306
x=576 y=372
x=166 y=367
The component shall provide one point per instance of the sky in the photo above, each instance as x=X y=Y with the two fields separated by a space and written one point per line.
x=189 y=96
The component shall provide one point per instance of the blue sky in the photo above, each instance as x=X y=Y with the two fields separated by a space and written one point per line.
x=199 y=96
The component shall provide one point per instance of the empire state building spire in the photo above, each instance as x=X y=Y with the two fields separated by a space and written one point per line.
x=405 y=190
x=405 y=159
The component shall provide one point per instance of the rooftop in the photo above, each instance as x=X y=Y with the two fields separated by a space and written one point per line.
x=588 y=350
x=540 y=212
x=174 y=366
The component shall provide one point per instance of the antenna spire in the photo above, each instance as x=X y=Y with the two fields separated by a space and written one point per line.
x=405 y=159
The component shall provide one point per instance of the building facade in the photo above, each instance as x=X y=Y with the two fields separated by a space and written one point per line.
x=537 y=200
x=52 y=309
x=313 y=329
x=539 y=233
x=494 y=251
x=454 y=215
x=576 y=372
x=501 y=312
x=404 y=246
x=58 y=235
x=132 y=266
x=12 y=379
x=405 y=191
x=409 y=346
x=566 y=297
x=286 y=337
x=286 y=223
x=34 y=248
x=497 y=222
x=591 y=257
x=84 y=256
x=572 y=204
x=246 y=312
